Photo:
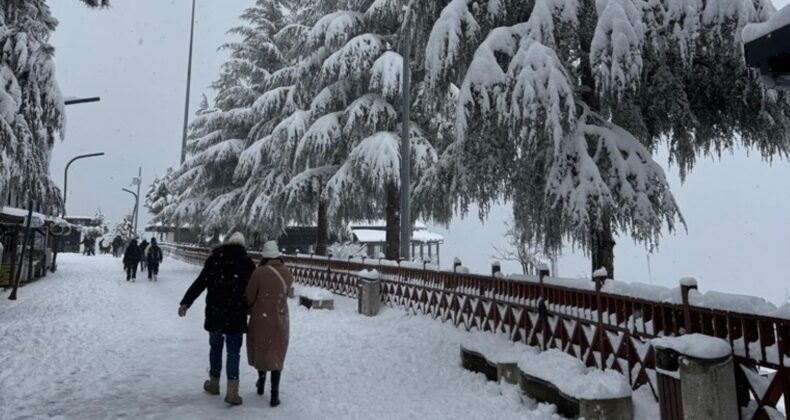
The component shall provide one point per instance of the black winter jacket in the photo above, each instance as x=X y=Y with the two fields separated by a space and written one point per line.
x=153 y=255
x=132 y=255
x=224 y=277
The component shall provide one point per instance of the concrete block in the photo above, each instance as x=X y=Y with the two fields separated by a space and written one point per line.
x=708 y=389
x=509 y=373
x=607 y=409
x=316 y=303
x=369 y=297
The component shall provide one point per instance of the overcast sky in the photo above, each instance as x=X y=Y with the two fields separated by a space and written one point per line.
x=134 y=56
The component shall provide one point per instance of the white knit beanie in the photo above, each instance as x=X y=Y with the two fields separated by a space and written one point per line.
x=270 y=250
x=236 y=239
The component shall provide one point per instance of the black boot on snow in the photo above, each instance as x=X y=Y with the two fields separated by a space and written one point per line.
x=275 y=401
x=261 y=382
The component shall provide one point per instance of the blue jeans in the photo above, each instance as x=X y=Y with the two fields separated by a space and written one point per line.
x=216 y=340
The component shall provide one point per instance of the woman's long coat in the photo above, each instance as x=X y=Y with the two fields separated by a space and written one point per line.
x=267 y=332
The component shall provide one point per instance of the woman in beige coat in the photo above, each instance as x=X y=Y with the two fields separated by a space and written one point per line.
x=267 y=332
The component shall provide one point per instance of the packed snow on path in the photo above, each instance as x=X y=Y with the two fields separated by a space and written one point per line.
x=84 y=343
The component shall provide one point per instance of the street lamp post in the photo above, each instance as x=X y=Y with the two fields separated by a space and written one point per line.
x=405 y=148
x=189 y=82
x=66 y=175
x=134 y=212
x=137 y=181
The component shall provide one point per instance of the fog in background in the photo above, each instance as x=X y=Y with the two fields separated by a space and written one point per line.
x=134 y=56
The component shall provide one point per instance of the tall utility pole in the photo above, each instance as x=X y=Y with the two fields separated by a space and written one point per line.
x=189 y=83
x=405 y=146
x=138 y=181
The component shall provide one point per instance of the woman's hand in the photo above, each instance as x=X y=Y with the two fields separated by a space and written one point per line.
x=182 y=310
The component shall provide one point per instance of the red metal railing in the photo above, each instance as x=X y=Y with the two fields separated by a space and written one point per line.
x=603 y=329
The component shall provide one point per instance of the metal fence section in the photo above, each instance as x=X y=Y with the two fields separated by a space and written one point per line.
x=605 y=330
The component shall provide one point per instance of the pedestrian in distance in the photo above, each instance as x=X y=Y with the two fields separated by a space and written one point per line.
x=117 y=244
x=143 y=260
x=224 y=278
x=268 y=329
x=131 y=258
x=154 y=256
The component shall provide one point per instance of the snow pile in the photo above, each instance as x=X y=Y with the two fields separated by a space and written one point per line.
x=642 y=291
x=736 y=303
x=496 y=348
x=688 y=282
x=753 y=31
x=314 y=293
x=572 y=377
x=601 y=272
x=369 y=275
x=695 y=345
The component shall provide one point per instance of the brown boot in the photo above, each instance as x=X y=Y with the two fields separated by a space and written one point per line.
x=212 y=385
x=232 y=397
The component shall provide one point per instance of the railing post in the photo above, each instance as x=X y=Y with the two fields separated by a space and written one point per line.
x=456 y=264
x=686 y=285
x=599 y=277
x=495 y=268
x=543 y=272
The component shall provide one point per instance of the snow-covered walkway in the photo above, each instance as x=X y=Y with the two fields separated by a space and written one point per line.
x=84 y=343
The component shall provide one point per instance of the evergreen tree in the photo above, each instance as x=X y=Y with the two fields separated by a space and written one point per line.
x=31 y=105
x=562 y=102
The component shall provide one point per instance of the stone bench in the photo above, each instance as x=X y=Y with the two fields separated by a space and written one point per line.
x=553 y=377
x=314 y=298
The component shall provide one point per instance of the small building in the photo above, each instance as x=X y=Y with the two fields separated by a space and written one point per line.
x=71 y=242
x=425 y=245
x=13 y=222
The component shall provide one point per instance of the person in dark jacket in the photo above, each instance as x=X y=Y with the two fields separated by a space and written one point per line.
x=153 y=255
x=224 y=277
x=117 y=244
x=130 y=260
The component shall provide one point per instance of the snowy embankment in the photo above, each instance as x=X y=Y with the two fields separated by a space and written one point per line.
x=84 y=343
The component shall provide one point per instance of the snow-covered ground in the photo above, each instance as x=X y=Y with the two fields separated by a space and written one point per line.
x=84 y=343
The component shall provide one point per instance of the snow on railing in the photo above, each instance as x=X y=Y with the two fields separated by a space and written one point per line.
x=604 y=323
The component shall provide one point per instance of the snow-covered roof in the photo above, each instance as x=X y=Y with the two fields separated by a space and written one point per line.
x=380 y=223
x=380 y=235
x=21 y=213
x=753 y=31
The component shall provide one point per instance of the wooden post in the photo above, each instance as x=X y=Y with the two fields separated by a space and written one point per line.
x=543 y=272
x=18 y=272
x=456 y=265
x=686 y=285
x=495 y=268
x=599 y=278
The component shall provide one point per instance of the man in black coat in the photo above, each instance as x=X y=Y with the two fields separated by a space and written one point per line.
x=153 y=255
x=224 y=277
x=130 y=260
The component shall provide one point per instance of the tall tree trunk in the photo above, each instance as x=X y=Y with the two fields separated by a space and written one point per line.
x=602 y=246
x=322 y=233
x=392 y=251
x=601 y=236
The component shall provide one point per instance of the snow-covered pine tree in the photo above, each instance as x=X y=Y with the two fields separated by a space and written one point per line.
x=562 y=102
x=365 y=134
x=31 y=105
x=209 y=191
x=159 y=194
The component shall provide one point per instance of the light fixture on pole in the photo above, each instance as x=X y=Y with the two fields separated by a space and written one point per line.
x=137 y=181
x=405 y=148
x=76 y=101
x=66 y=175
x=134 y=211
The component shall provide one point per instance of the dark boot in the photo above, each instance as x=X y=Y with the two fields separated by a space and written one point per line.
x=275 y=400
x=261 y=382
